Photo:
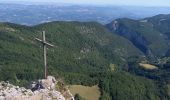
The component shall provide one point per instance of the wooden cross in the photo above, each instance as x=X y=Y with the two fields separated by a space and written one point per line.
x=45 y=44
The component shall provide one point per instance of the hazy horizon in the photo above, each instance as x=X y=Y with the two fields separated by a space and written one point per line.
x=157 y=3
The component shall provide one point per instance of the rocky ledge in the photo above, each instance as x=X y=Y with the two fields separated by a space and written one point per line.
x=45 y=89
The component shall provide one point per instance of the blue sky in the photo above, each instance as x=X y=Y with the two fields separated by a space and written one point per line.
x=104 y=2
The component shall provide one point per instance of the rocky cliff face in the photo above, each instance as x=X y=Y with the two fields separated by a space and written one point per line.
x=44 y=89
x=136 y=38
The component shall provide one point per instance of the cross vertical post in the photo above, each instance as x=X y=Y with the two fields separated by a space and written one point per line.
x=45 y=54
x=45 y=44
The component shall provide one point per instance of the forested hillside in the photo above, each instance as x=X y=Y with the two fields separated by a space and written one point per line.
x=79 y=48
x=85 y=53
x=150 y=35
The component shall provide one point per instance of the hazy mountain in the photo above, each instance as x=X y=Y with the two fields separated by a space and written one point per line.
x=31 y=14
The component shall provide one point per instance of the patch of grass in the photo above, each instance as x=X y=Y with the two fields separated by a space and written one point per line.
x=89 y=93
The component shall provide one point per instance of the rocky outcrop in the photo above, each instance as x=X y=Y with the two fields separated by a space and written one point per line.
x=44 y=89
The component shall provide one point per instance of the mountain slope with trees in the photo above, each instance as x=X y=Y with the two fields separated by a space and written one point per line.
x=150 y=35
x=79 y=48
x=85 y=53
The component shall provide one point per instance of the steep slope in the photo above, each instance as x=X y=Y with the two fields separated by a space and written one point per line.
x=161 y=23
x=142 y=34
x=80 y=48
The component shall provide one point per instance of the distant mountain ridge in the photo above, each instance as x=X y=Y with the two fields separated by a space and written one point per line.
x=33 y=14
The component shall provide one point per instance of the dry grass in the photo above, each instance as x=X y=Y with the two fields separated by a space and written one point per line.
x=148 y=66
x=89 y=93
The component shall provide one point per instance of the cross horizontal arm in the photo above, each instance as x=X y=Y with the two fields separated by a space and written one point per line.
x=49 y=44
x=39 y=39
x=44 y=42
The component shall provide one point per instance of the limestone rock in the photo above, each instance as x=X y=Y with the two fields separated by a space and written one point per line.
x=39 y=90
